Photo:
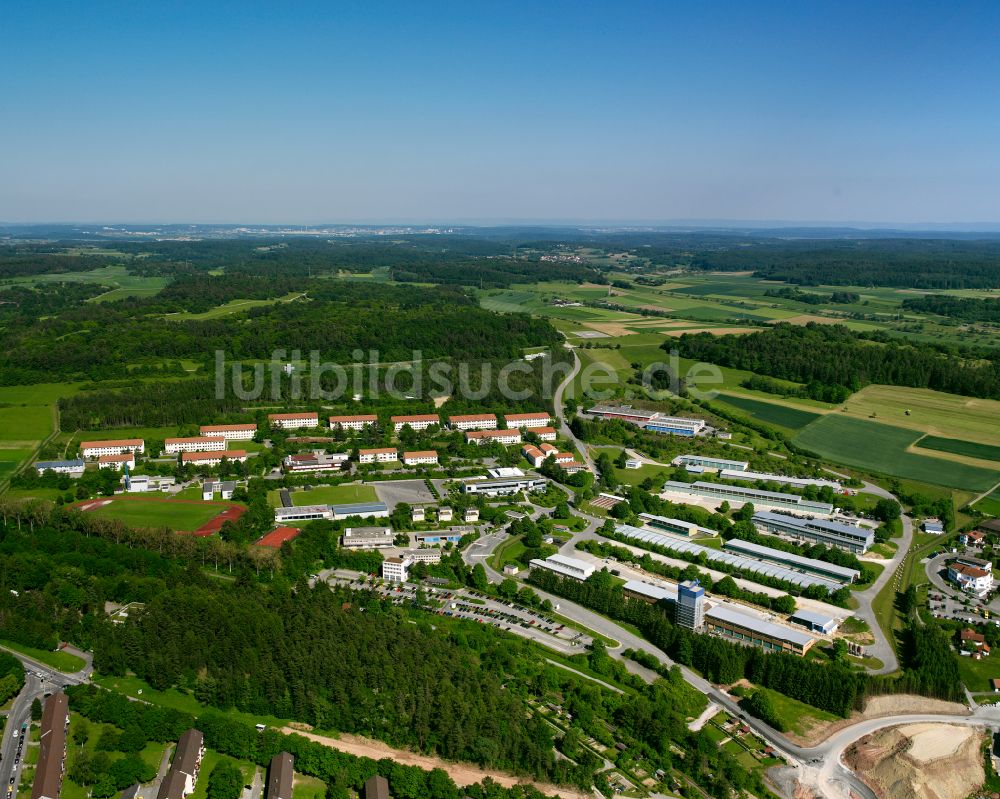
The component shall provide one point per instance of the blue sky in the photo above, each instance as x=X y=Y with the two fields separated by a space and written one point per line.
x=474 y=111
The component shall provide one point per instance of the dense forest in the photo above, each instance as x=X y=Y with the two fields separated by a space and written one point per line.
x=832 y=355
x=964 y=309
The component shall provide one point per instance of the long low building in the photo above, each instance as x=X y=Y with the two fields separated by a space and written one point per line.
x=378 y=510
x=420 y=421
x=473 y=421
x=747 y=629
x=230 y=432
x=811 y=565
x=480 y=437
x=499 y=486
x=302 y=513
x=353 y=422
x=293 y=421
x=711 y=462
x=517 y=421
x=378 y=455
x=820 y=531
x=74 y=468
x=765 y=477
x=117 y=446
x=565 y=566
x=367 y=538
x=648 y=592
x=731 y=493
x=315 y=462
x=213 y=458
x=116 y=462
x=815 y=622
x=51 y=748
x=677 y=526
x=731 y=562
x=654 y=421
x=194 y=444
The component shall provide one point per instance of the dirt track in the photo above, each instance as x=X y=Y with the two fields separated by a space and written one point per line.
x=462 y=773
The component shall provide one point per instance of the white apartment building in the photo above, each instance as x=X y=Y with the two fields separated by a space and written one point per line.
x=213 y=458
x=563 y=457
x=533 y=454
x=420 y=421
x=199 y=444
x=473 y=421
x=517 y=421
x=119 y=446
x=357 y=422
x=293 y=421
x=380 y=455
x=545 y=433
x=230 y=432
x=419 y=457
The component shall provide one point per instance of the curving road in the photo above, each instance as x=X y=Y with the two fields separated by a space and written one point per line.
x=557 y=401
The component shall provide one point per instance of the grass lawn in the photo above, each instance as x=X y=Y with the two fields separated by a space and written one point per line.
x=335 y=495
x=142 y=512
x=210 y=761
x=306 y=787
x=797 y=716
x=976 y=674
x=508 y=552
x=882 y=448
x=63 y=661
x=990 y=505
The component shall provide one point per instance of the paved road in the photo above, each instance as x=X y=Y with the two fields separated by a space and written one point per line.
x=557 y=401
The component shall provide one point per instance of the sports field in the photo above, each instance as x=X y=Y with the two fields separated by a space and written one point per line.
x=931 y=412
x=335 y=495
x=135 y=511
x=882 y=448
x=971 y=449
x=769 y=412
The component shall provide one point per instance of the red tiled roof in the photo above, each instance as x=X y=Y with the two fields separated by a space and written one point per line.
x=220 y=428
x=114 y=442
x=473 y=417
x=276 y=417
x=358 y=418
x=277 y=537
x=221 y=453
x=524 y=417
x=491 y=433
x=420 y=417
x=378 y=451
x=123 y=458
x=423 y=453
x=193 y=440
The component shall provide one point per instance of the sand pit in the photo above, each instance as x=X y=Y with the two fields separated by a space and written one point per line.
x=934 y=741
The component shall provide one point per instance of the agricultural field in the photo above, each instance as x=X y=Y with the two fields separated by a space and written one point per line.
x=955 y=446
x=335 y=495
x=769 y=412
x=932 y=412
x=231 y=307
x=119 y=282
x=990 y=504
x=883 y=448
x=155 y=512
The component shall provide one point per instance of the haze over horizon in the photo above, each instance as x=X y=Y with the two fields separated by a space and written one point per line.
x=849 y=115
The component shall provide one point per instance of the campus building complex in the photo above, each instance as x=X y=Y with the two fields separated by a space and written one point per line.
x=653 y=421
x=750 y=629
x=816 y=531
x=764 y=477
x=738 y=494
x=564 y=566
x=793 y=561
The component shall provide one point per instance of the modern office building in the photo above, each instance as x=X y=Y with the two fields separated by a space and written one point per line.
x=564 y=566
x=676 y=526
x=396 y=569
x=499 y=486
x=710 y=462
x=675 y=425
x=738 y=494
x=366 y=538
x=690 y=609
x=51 y=748
x=378 y=510
x=816 y=531
x=280 y=776
x=793 y=561
x=752 y=630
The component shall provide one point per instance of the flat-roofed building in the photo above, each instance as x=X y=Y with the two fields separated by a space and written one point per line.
x=445 y=513
x=318 y=461
x=545 y=433
x=653 y=421
x=529 y=421
x=500 y=486
x=676 y=526
x=378 y=455
x=470 y=515
x=396 y=569
x=675 y=425
x=378 y=510
x=74 y=468
x=793 y=560
x=213 y=458
x=731 y=493
x=765 y=477
x=433 y=538
x=117 y=446
x=422 y=555
x=419 y=421
x=418 y=513
x=711 y=462
x=473 y=421
x=302 y=513
x=367 y=538
x=753 y=630
x=293 y=421
x=690 y=609
x=183 y=773
x=648 y=592
x=625 y=413
x=420 y=458
x=820 y=531
x=116 y=462
x=505 y=437
x=353 y=422
x=815 y=622
x=565 y=566
x=51 y=748
x=230 y=432
x=280 y=776
x=194 y=444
